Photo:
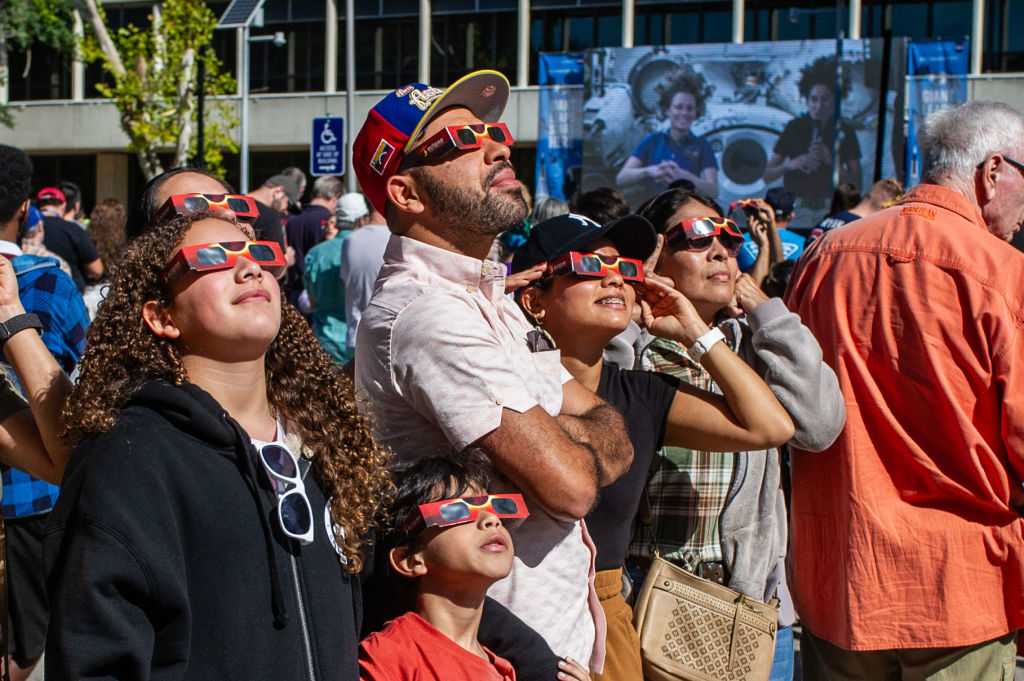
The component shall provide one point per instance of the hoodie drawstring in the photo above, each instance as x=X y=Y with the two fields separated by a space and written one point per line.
x=252 y=477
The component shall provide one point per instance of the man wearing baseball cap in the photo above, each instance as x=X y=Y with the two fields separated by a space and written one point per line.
x=442 y=362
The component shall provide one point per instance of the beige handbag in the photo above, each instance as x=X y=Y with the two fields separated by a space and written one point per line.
x=692 y=629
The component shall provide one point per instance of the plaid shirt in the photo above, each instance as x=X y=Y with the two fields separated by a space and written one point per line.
x=51 y=294
x=689 y=487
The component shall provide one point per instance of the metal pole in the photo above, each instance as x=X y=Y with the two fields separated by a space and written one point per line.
x=977 y=37
x=737 y=20
x=424 y=71
x=855 y=12
x=628 y=14
x=350 y=90
x=523 y=44
x=244 y=142
x=331 y=47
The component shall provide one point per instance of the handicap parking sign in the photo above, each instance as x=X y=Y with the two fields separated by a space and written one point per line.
x=327 y=148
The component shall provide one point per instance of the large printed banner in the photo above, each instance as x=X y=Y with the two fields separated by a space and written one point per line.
x=937 y=78
x=735 y=120
x=560 y=126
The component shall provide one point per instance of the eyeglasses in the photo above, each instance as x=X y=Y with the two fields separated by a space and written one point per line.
x=294 y=512
x=467 y=509
x=458 y=137
x=1016 y=164
x=697 y=234
x=244 y=207
x=224 y=254
x=597 y=266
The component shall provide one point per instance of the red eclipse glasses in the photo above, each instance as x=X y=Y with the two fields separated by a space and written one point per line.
x=223 y=256
x=461 y=138
x=697 y=234
x=243 y=207
x=597 y=266
x=462 y=510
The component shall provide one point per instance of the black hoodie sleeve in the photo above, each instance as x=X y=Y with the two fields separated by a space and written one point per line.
x=115 y=568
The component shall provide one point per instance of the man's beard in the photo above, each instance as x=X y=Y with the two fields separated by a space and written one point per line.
x=461 y=209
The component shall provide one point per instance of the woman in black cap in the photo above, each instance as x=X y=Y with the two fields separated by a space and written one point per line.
x=593 y=280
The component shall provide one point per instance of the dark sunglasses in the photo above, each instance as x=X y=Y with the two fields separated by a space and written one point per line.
x=294 y=512
x=697 y=234
x=458 y=138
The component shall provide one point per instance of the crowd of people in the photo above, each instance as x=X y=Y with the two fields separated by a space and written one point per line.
x=434 y=432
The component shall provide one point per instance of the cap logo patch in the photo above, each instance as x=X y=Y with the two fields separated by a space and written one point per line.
x=380 y=158
x=584 y=221
x=421 y=99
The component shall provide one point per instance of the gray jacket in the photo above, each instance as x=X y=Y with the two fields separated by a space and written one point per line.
x=753 y=524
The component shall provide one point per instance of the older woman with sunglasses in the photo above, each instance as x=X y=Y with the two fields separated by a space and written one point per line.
x=593 y=278
x=718 y=513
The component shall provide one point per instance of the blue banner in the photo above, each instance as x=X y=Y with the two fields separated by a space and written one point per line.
x=937 y=73
x=560 y=126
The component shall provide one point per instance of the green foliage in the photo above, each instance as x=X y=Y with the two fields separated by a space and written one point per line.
x=24 y=23
x=155 y=94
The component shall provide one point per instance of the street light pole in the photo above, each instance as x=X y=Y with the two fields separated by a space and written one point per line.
x=279 y=40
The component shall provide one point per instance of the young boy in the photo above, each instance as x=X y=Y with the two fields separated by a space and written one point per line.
x=449 y=537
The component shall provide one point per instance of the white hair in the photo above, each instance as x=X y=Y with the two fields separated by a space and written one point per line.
x=957 y=139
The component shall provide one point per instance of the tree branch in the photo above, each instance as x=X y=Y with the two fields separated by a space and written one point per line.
x=99 y=28
x=185 y=105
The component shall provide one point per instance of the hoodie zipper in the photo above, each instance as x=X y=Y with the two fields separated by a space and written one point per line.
x=302 y=619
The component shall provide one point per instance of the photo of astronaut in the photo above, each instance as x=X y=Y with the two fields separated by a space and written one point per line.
x=734 y=120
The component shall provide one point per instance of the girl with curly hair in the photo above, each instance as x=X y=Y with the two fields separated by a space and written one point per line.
x=210 y=522
x=803 y=155
x=664 y=157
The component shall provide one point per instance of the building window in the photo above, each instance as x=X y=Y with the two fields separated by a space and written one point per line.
x=48 y=75
x=118 y=16
x=464 y=42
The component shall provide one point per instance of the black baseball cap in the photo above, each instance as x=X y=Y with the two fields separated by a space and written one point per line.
x=633 y=235
x=781 y=201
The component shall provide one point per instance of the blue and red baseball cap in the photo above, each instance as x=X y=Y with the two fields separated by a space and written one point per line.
x=395 y=125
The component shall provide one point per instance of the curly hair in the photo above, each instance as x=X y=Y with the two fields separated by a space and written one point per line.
x=685 y=80
x=822 y=71
x=107 y=224
x=306 y=390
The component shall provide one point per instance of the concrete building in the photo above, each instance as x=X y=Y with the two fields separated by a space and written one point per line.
x=72 y=133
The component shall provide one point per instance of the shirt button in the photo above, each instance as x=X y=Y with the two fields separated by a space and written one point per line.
x=499 y=401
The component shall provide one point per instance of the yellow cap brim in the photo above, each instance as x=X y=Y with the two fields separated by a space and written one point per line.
x=483 y=92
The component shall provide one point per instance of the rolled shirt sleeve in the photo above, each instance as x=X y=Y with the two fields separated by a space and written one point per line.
x=458 y=369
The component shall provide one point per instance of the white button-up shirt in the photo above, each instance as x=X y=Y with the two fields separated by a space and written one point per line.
x=440 y=352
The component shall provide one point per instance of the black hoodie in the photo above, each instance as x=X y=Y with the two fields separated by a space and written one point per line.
x=164 y=558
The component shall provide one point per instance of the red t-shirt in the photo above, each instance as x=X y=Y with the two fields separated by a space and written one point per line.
x=411 y=649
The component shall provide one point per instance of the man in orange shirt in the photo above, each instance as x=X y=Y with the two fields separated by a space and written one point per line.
x=907 y=557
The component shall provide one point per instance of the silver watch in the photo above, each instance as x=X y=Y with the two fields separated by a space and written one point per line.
x=705 y=343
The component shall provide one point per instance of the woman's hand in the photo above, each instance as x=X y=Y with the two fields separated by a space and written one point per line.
x=570 y=670
x=10 y=303
x=669 y=314
x=748 y=295
x=514 y=282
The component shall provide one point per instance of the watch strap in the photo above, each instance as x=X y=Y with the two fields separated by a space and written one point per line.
x=705 y=343
x=19 y=323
